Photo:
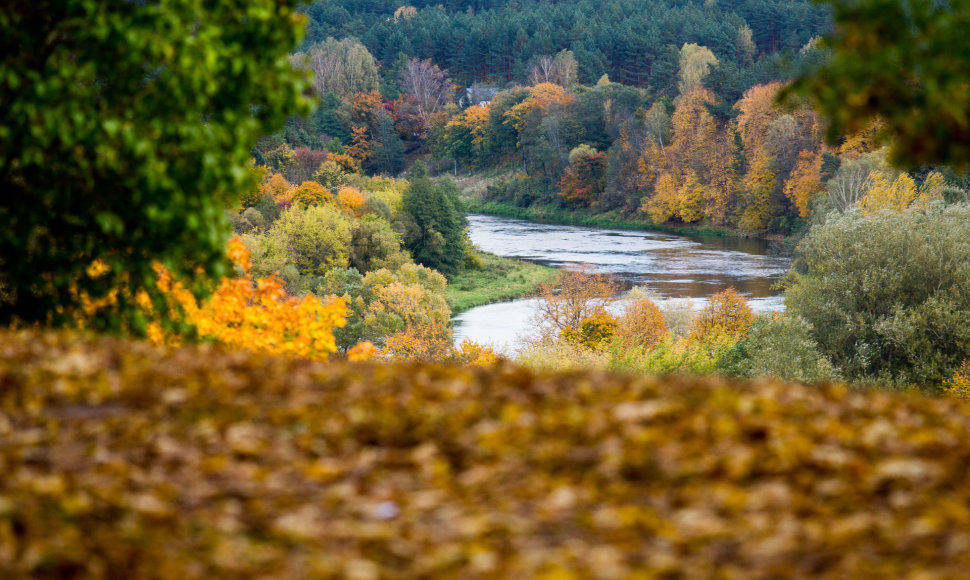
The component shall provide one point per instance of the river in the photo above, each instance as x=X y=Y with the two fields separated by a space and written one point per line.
x=671 y=266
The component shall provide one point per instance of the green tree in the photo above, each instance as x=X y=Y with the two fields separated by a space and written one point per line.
x=316 y=239
x=905 y=63
x=435 y=235
x=125 y=131
x=887 y=294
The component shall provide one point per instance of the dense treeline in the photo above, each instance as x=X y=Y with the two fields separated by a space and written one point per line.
x=636 y=42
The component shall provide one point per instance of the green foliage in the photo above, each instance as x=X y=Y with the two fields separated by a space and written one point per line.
x=631 y=42
x=384 y=302
x=887 y=294
x=697 y=356
x=315 y=240
x=126 y=130
x=374 y=245
x=779 y=346
x=905 y=63
x=330 y=175
x=435 y=236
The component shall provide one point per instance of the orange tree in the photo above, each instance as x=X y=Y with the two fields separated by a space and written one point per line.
x=253 y=314
x=125 y=130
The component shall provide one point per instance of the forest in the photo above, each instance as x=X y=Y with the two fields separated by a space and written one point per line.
x=237 y=234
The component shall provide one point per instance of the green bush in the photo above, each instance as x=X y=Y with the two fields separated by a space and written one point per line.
x=887 y=295
x=779 y=346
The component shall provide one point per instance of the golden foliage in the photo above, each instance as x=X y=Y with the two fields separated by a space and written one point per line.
x=255 y=315
x=542 y=95
x=362 y=351
x=129 y=461
x=805 y=181
x=959 y=385
x=470 y=352
x=359 y=148
x=664 y=203
x=428 y=340
x=351 y=200
x=594 y=332
x=277 y=186
x=346 y=163
x=726 y=313
x=900 y=193
x=404 y=13
x=311 y=193
x=642 y=324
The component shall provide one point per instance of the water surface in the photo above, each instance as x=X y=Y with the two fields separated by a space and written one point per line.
x=672 y=266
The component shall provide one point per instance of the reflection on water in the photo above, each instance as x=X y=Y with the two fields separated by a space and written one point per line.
x=672 y=266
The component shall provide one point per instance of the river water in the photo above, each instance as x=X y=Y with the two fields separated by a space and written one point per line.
x=671 y=266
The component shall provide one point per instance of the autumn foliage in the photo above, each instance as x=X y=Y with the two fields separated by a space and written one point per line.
x=726 y=312
x=642 y=323
x=131 y=461
x=255 y=315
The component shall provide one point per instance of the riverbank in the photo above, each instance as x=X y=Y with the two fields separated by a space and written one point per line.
x=613 y=220
x=498 y=280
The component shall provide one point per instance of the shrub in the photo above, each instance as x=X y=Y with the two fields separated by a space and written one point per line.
x=779 y=346
x=580 y=295
x=316 y=239
x=374 y=245
x=594 y=332
x=959 y=384
x=887 y=294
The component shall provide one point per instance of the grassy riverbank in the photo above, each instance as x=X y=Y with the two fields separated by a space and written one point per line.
x=499 y=279
x=615 y=220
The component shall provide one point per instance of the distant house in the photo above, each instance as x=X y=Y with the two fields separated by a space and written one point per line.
x=477 y=94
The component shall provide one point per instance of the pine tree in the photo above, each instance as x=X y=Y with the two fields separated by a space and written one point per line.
x=436 y=234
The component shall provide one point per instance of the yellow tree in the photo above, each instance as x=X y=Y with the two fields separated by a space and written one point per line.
x=360 y=147
x=690 y=199
x=757 y=112
x=759 y=183
x=695 y=62
x=726 y=313
x=887 y=193
x=250 y=314
x=277 y=186
x=642 y=323
x=805 y=181
x=700 y=147
x=542 y=96
x=311 y=193
x=664 y=203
